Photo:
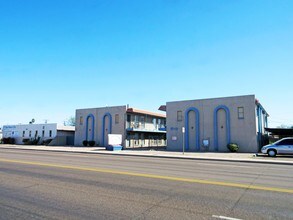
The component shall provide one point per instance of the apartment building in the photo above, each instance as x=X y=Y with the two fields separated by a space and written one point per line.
x=210 y=124
x=139 y=128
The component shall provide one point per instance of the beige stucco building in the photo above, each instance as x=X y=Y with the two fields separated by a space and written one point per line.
x=139 y=128
x=210 y=124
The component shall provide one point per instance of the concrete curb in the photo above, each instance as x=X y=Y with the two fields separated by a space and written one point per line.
x=161 y=156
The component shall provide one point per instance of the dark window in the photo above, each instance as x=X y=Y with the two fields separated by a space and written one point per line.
x=286 y=142
x=116 y=119
x=240 y=112
x=179 y=116
x=23 y=133
x=50 y=133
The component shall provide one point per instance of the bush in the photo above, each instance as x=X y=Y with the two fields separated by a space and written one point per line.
x=85 y=143
x=26 y=141
x=35 y=141
x=32 y=141
x=47 y=141
x=12 y=141
x=92 y=143
x=233 y=147
x=8 y=140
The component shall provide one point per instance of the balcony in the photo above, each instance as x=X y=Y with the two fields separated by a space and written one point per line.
x=145 y=127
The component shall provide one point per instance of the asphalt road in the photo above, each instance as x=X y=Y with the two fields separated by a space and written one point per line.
x=53 y=185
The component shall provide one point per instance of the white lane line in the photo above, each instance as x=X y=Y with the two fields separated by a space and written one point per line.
x=224 y=217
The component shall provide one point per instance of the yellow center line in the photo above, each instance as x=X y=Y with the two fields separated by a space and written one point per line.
x=153 y=176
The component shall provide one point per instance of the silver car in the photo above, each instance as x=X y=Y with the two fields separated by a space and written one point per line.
x=283 y=146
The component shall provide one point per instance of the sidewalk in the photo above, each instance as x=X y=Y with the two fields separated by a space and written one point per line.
x=233 y=157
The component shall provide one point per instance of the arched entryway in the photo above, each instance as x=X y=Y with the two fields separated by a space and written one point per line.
x=192 y=134
x=107 y=128
x=90 y=128
x=222 y=134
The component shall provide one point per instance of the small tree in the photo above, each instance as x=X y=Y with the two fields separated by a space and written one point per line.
x=32 y=121
x=70 y=121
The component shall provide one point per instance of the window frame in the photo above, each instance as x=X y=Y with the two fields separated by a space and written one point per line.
x=179 y=115
x=117 y=118
x=240 y=113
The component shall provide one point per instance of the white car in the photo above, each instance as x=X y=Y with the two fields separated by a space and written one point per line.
x=283 y=146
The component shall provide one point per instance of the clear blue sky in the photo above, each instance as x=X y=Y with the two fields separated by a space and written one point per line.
x=57 y=56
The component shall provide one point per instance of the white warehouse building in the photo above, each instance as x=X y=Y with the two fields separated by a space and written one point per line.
x=55 y=134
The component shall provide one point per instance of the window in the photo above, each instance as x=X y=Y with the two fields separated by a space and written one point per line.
x=50 y=133
x=43 y=133
x=240 y=112
x=80 y=120
x=286 y=142
x=36 y=134
x=30 y=134
x=23 y=133
x=142 y=121
x=117 y=119
x=179 y=116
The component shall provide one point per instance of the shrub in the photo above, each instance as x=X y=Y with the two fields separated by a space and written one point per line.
x=233 y=147
x=12 y=141
x=8 y=140
x=31 y=141
x=92 y=143
x=47 y=141
x=26 y=141
x=35 y=141
x=85 y=143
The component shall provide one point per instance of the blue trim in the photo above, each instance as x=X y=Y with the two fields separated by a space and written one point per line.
x=110 y=126
x=259 y=125
x=260 y=119
x=87 y=127
x=187 y=128
x=228 y=134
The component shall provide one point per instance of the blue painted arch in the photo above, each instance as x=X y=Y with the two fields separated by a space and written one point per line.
x=197 y=138
x=228 y=133
x=104 y=125
x=92 y=127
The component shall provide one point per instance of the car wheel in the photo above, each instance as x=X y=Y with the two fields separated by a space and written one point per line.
x=272 y=153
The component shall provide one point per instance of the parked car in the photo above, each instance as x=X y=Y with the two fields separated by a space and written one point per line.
x=283 y=146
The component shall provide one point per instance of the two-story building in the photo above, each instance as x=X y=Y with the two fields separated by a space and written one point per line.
x=139 y=128
x=210 y=124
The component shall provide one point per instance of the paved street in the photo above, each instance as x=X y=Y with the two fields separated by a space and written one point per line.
x=57 y=185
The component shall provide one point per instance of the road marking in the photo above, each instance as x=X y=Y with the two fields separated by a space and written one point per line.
x=153 y=176
x=224 y=217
